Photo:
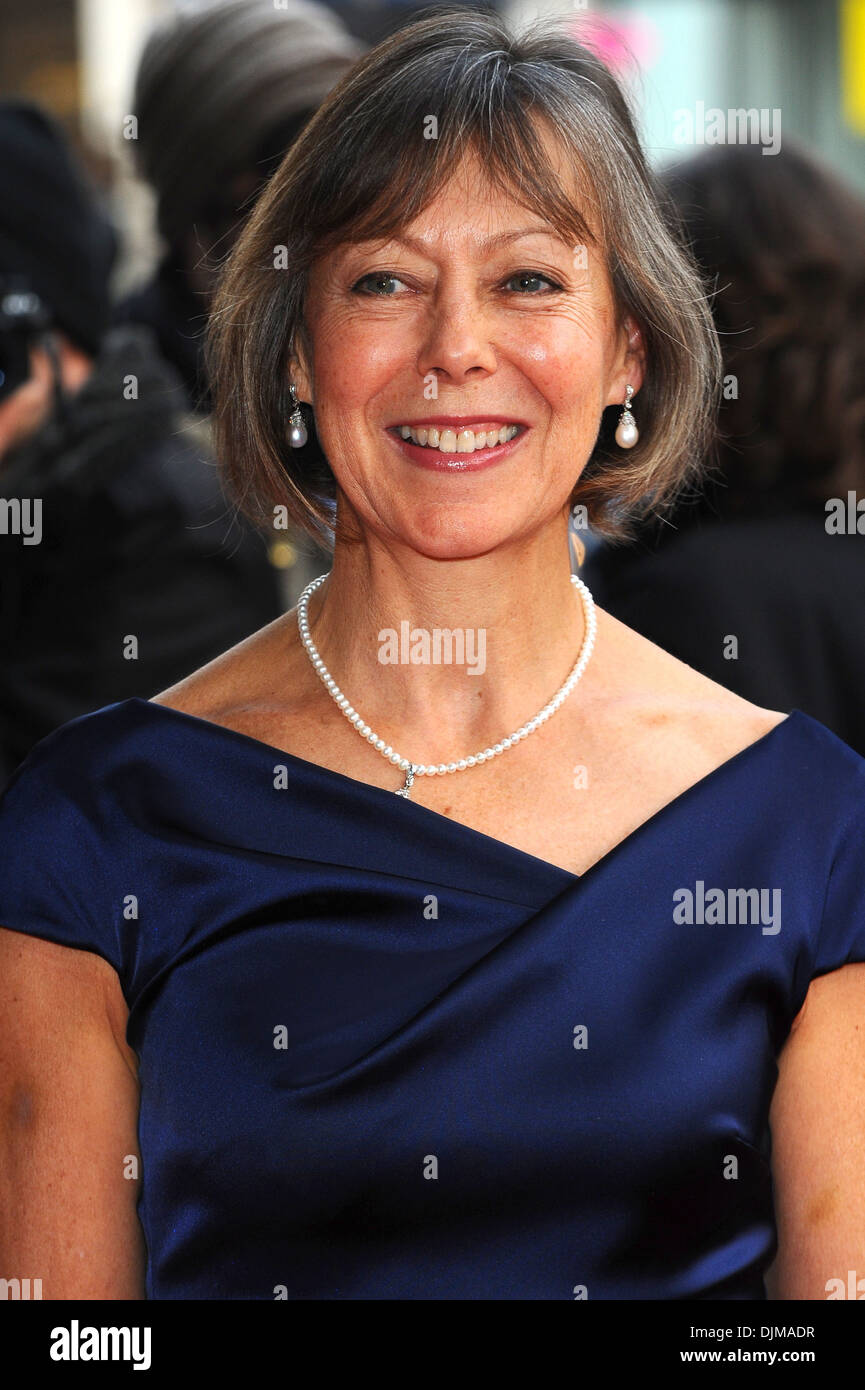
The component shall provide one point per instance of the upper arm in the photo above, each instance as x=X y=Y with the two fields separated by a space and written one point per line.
x=68 y=1124
x=817 y=1120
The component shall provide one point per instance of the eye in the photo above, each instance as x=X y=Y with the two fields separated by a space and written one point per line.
x=372 y=284
x=528 y=278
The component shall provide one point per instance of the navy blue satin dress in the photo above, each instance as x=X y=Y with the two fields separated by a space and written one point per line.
x=384 y=1056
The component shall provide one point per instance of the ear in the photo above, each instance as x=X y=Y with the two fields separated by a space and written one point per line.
x=630 y=366
x=299 y=372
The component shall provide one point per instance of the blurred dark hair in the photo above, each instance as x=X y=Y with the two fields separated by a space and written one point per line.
x=221 y=211
x=782 y=243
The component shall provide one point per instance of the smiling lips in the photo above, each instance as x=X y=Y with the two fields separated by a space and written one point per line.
x=464 y=441
x=462 y=444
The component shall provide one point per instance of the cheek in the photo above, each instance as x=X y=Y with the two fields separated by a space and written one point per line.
x=354 y=363
x=566 y=369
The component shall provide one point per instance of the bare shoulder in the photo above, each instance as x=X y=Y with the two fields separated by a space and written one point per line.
x=668 y=705
x=252 y=674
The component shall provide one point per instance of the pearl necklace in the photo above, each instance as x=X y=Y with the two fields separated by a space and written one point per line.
x=411 y=769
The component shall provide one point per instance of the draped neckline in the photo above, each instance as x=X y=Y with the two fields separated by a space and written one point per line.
x=436 y=820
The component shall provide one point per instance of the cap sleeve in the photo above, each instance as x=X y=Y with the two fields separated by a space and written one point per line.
x=51 y=860
x=842 y=930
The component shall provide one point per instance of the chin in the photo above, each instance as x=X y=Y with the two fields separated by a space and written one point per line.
x=448 y=537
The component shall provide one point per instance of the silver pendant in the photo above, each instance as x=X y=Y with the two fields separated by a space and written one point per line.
x=409 y=778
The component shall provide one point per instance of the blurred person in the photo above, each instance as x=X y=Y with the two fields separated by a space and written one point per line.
x=758 y=578
x=119 y=552
x=220 y=94
x=435 y=1006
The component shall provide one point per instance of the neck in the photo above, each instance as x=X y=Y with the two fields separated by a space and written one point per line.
x=461 y=651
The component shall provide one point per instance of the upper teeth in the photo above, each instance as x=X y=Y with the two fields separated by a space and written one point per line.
x=449 y=441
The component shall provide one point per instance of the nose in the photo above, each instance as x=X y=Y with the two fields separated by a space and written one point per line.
x=456 y=343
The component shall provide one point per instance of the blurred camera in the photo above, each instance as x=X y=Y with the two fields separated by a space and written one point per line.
x=23 y=316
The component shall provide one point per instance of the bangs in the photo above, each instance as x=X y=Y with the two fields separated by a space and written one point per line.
x=400 y=166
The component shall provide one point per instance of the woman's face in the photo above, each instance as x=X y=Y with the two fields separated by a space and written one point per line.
x=478 y=314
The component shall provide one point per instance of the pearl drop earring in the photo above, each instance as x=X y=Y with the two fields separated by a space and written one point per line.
x=627 y=433
x=297 y=433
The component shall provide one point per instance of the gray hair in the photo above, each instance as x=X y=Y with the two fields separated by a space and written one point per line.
x=363 y=169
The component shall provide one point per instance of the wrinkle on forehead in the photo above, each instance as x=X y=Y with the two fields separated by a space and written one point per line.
x=471 y=181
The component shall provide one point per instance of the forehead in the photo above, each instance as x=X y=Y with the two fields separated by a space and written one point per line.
x=474 y=212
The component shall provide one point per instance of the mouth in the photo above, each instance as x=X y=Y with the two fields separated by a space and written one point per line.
x=449 y=444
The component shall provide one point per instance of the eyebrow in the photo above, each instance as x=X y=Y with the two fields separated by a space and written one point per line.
x=488 y=243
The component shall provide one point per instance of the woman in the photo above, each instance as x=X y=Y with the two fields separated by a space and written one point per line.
x=491 y=1038
x=764 y=550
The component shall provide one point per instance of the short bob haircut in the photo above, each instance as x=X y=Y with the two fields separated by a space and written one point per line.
x=363 y=169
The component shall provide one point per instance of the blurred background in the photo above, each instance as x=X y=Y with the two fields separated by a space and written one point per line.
x=110 y=237
x=78 y=59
